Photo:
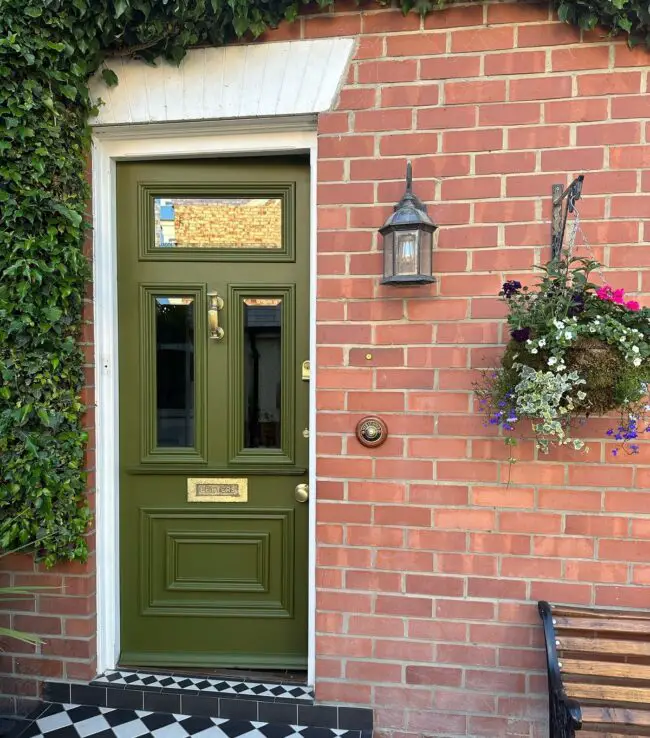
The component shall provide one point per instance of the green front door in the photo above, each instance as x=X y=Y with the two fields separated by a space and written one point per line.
x=213 y=302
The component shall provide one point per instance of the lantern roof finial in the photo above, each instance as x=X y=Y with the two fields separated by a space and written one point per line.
x=410 y=210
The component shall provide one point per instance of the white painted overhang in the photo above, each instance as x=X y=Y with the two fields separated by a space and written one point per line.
x=252 y=81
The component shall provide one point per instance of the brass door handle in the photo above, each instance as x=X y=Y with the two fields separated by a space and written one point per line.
x=302 y=492
x=215 y=303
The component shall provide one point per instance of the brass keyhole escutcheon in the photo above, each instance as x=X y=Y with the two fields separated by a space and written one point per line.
x=302 y=492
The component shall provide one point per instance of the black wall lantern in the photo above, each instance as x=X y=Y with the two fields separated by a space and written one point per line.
x=408 y=240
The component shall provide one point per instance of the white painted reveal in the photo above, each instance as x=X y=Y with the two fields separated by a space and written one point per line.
x=256 y=80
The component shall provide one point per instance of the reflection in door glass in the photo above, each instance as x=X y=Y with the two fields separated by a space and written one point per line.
x=218 y=222
x=175 y=371
x=262 y=372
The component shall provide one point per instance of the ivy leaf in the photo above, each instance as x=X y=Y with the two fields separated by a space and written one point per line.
x=109 y=76
x=588 y=21
x=52 y=314
x=625 y=23
x=69 y=91
x=71 y=215
x=44 y=416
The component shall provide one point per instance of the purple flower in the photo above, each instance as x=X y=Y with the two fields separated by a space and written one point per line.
x=577 y=304
x=521 y=334
x=511 y=287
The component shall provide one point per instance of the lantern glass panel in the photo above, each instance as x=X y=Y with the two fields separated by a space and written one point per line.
x=426 y=246
x=406 y=253
x=389 y=248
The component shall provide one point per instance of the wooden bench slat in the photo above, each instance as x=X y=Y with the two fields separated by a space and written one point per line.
x=609 y=693
x=587 y=612
x=614 y=718
x=618 y=625
x=604 y=731
x=611 y=669
x=588 y=645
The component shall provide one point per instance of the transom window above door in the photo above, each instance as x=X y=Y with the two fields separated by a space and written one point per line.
x=218 y=223
x=211 y=223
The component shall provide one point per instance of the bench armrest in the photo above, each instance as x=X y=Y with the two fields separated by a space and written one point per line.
x=565 y=713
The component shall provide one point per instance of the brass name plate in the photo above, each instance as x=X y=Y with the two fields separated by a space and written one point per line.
x=211 y=489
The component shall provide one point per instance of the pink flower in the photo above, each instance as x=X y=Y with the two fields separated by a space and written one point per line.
x=607 y=294
x=604 y=293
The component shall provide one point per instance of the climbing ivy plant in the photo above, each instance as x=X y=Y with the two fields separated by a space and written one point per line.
x=48 y=51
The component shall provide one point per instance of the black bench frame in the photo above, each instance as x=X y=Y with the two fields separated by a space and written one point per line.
x=564 y=714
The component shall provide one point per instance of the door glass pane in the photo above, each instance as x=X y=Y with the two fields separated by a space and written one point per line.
x=262 y=372
x=218 y=222
x=175 y=371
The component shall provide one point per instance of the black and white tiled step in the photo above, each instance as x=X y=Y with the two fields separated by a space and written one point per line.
x=194 y=701
x=207 y=685
x=82 y=721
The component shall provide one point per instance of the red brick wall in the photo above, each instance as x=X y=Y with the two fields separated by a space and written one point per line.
x=429 y=564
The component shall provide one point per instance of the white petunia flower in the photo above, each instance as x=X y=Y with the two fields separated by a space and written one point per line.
x=552 y=360
x=637 y=361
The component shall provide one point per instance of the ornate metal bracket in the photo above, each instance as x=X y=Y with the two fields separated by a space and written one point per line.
x=558 y=220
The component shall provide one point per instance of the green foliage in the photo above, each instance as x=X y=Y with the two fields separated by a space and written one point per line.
x=48 y=51
x=617 y=16
x=575 y=350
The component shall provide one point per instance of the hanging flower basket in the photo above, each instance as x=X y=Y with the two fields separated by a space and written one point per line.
x=575 y=350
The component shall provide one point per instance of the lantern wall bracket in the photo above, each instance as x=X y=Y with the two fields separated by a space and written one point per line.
x=560 y=213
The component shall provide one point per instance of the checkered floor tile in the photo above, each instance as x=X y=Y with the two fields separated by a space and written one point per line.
x=204 y=684
x=75 y=721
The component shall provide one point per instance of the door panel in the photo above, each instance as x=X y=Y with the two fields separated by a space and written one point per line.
x=213 y=274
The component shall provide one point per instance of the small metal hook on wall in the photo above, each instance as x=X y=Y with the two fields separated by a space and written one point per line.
x=558 y=219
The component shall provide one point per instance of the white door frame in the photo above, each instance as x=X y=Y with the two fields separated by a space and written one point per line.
x=278 y=135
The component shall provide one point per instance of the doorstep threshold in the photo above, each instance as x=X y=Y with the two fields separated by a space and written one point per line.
x=205 y=685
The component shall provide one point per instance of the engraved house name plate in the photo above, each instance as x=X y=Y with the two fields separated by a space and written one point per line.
x=212 y=489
